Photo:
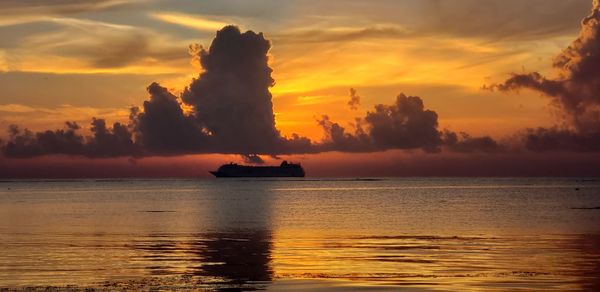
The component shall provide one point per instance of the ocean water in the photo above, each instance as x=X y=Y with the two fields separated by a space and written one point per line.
x=417 y=234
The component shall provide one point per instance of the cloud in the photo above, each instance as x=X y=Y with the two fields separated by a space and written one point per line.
x=192 y=21
x=237 y=125
x=24 y=143
x=71 y=45
x=354 y=101
x=104 y=45
x=344 y=34
x=114 y=142
x=228 y=109
x=575 y=91
x=465 y=143
x=406 y=124
x=557 y=139
x=252 y=159
x=231 y=98
x=231 y=112
x=492 y=21
x=104 y=142
x=163 y=128
x=3 y=62
x=17 y=12
x=337 y=139
x=500 y=19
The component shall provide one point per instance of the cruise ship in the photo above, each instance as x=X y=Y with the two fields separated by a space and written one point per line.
x=284 y=170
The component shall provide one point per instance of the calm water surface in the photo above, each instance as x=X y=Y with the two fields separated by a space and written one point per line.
x=388 y=234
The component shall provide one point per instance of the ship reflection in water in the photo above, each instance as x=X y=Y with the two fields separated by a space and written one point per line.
x=236 y=260
x=238 y=254
x=297 y=235
x=235 y=254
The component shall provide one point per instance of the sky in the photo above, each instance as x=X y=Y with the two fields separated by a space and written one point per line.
x=348 y=88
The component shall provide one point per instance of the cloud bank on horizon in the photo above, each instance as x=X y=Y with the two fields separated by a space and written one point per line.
x=231 y=113
x=228 y=109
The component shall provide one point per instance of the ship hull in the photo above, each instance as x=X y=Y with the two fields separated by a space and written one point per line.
x=238 y=175
x=233 y=170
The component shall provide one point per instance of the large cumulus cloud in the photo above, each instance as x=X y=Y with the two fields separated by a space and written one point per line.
x=232 y=112
x=232 y=109
x=405 y=124
x=575 y=91
x=231 y=98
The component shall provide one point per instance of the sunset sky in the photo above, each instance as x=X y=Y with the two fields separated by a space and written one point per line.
x=71 y=60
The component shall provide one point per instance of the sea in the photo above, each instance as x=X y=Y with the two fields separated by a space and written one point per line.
x=365 y=234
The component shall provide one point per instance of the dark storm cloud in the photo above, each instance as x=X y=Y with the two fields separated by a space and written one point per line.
x=337 y=139
x=556 y=139
x=576 y=91
x=24 y=143
x=110 y=142
x=465 y=143
x=231 y=98
x=163 y=128
x=406 y=124
x=354 y=101
x=104 y=142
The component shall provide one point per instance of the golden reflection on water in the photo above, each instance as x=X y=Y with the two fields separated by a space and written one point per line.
x=254 y=259
x=455 y=263
x=285 y=235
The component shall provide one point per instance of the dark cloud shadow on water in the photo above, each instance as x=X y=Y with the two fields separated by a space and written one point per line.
x=232 y=252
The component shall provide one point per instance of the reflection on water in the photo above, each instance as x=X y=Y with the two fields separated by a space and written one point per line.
x=236 y=255
x=423 y=234
x=238 y=259
x=448 y=263
x=588 y=259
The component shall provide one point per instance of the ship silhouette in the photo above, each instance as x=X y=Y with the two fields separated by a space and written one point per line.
x=284 y=170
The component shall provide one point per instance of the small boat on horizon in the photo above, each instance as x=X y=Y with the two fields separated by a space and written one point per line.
x=284 y=170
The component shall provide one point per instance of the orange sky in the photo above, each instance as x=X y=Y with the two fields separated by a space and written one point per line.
x=61 y=64
x=73 y=60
